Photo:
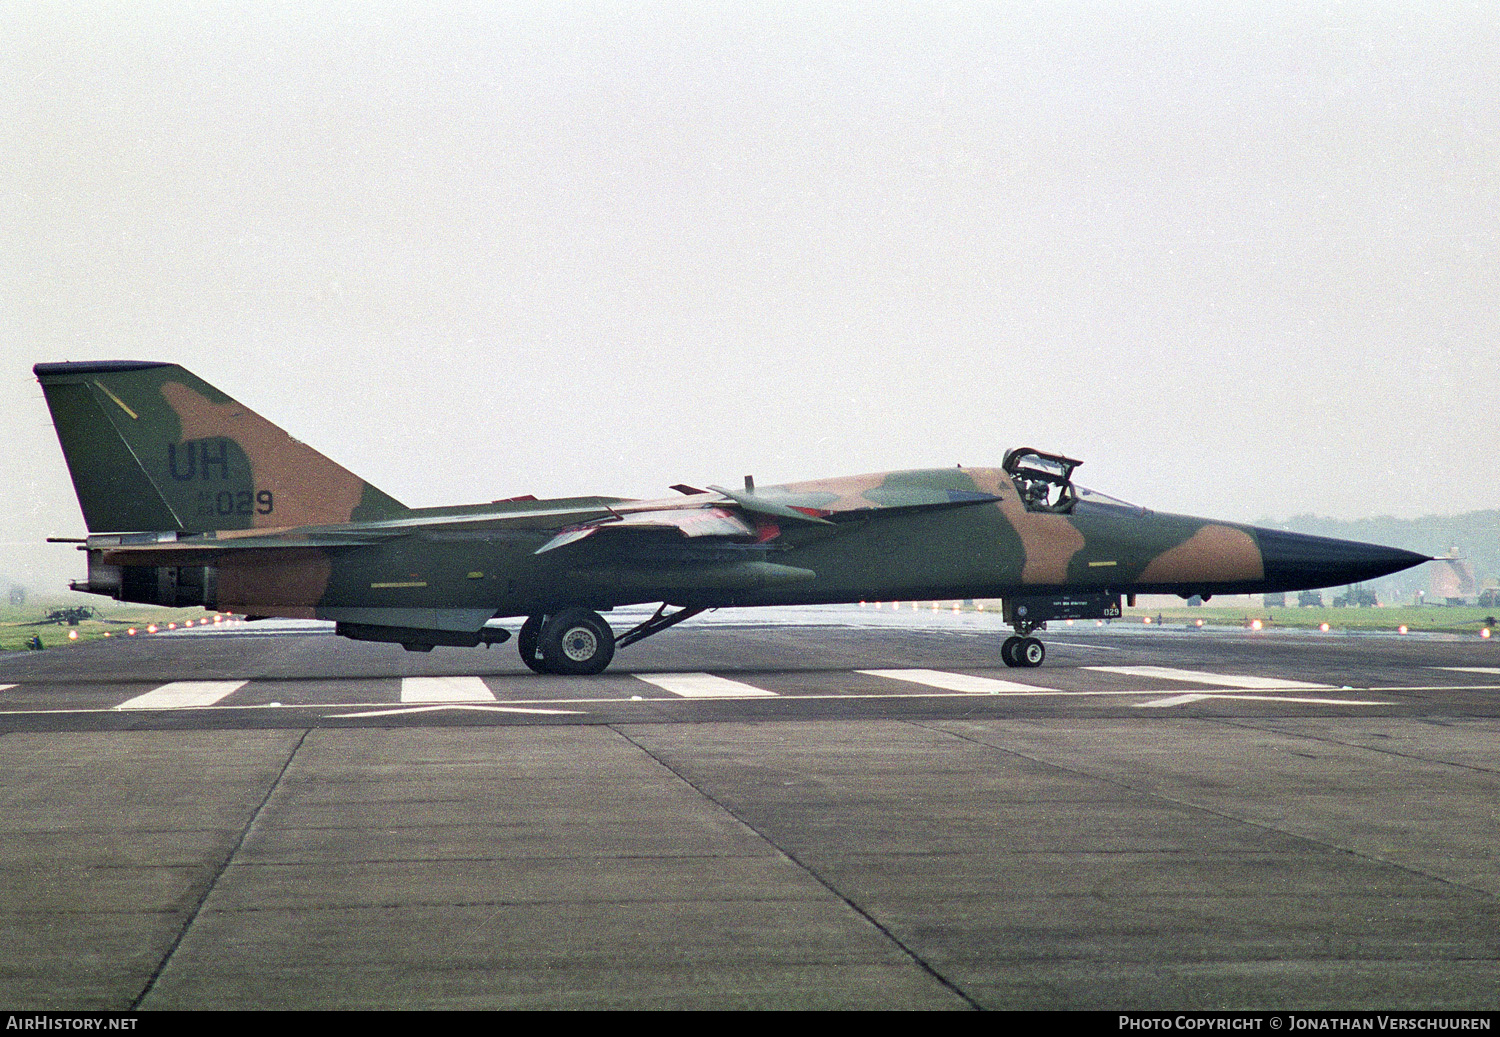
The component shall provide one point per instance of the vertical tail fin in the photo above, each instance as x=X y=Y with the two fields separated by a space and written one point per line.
x=153 y=447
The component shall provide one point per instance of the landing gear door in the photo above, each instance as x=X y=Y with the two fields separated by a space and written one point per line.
x=1034 y=610
x=1045 y=481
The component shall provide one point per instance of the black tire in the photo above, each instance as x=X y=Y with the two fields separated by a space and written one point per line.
x=1031 y=652
x=1008 y=651
x=528 y=640
x=577 y=642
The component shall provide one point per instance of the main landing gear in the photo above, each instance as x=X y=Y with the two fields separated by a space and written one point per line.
x=574 y=641
x=578 y=642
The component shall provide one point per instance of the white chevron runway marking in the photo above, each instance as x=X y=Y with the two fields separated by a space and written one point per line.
x=1225 y=680
x=1199 y=696
x=959 y=682
x=473 y=707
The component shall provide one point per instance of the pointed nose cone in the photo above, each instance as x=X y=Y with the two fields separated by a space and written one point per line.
x=1297 y=561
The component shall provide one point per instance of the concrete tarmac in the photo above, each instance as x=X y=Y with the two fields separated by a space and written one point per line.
x=737 y=816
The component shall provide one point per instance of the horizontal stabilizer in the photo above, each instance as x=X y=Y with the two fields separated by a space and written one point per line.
x=208 y=550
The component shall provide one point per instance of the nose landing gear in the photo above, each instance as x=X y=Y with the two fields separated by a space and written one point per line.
x=1030 y=612
x=1024 y=651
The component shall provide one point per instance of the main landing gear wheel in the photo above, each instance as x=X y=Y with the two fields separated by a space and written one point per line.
x=576 y=641
x=1023 y=651
x=529 y=640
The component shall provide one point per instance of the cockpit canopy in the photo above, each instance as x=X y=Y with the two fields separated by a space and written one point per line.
x=1045 y=481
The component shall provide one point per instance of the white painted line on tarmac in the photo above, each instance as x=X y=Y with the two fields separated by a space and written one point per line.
x=1191 y=697
x=703 y=686
x=1225 y=680
x=519 y=705
x=184 y=695
x=402 y=710
x=1084 y=644
x=1432 y=687
x=445 y=689
x=959 y=682
x=1176 y=700
x=1468 y=669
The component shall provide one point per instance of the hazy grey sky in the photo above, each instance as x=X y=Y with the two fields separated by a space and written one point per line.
x=1240 y=258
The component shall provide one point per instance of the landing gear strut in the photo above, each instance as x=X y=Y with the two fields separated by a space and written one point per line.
x=528 y=640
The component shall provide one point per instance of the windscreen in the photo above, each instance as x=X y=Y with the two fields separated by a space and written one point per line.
x=1088 y=496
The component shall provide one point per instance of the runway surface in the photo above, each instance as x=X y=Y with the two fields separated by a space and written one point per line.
x=791 y=808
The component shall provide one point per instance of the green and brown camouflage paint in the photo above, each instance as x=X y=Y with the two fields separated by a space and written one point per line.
x=171 y=472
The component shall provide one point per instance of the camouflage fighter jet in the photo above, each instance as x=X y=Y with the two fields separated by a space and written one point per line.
x=191 y=498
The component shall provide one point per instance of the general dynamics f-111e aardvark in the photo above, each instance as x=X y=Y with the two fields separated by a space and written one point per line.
x=193 y=499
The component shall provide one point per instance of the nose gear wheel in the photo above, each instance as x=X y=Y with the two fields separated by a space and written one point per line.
x=1025 y=652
